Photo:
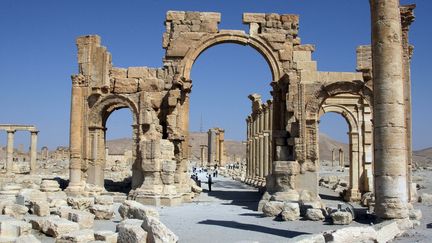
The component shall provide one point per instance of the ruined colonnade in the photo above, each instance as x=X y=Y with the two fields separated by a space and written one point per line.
x=258 y=146
x=11 y=129
x=216 y=147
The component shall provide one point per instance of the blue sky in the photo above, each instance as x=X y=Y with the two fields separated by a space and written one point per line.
x=38 y=55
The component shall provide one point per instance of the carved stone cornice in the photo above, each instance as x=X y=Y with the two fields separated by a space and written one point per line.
x=79 y=80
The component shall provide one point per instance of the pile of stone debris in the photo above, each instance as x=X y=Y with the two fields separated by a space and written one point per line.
x=28 y=212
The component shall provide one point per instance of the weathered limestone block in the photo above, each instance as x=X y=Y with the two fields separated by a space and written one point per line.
x=341 y=218
x=104 y=200
x=137 y=72
x=316 y=238
x=41 y=208
x=102 y=211
x=307 y=205
x=254 y=18
x=314 y=214
x=80 y=236
x=118 y=72
x=15 y=210
x=50 y=186
x=56 y=203
x=426 y=199
x=125 y=85
x=53 y=196
x=196 y=189
x=287 y=196
x=352 y=234
x=10 y=227
x=4 y=203
x=25 y=196
x=84 y=219
x=272 y=208
x=38 y=222
x=290 y=212
x=58 y=226
x=106 y=236
x=157 y=232
x=63 y=211
x=151 y=85
x=415 y=214
x=80 y=203
x=130 y=231
x=175 y=15
x=27 y=239
x=135 y=210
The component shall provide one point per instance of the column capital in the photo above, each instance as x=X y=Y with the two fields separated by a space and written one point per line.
x=10 y=130
x=34 y=132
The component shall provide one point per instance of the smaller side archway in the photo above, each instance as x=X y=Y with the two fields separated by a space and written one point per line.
x=98 y=115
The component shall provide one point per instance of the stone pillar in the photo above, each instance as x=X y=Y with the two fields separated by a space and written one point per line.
x=341 y=158
x=9 y=150
x=202 y=155
x=221 y=147
x=216 y=142
x=33 y=151
x=390 y=165
x=75 y=140
x=333 y=156
x=209 y=146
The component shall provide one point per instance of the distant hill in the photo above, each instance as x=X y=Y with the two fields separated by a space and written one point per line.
x=422 y=158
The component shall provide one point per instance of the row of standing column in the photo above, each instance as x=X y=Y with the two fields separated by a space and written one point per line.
x=258 y=159
x=10 y=150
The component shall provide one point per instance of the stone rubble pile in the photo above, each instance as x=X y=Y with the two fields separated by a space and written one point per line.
x=28 y=211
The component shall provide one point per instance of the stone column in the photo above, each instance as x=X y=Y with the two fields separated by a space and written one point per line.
x=75 y=140
x=209 y=146
x=333 y=156
x=341 y=158
x=202 y=155
x=216 y=142
x=33 y=151
x=221 y=147
x=9 y=150
x=390 y=168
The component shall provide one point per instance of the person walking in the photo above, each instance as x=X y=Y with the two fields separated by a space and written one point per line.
x=209 y=176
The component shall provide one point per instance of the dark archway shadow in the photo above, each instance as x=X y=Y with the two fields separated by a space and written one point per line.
x=253 y=227
x=123 y=186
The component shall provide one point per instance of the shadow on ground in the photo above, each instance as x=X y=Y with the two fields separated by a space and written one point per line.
x=244 y=196
x=252 y=227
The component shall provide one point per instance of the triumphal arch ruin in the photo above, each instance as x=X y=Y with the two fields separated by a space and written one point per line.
x=159 y=101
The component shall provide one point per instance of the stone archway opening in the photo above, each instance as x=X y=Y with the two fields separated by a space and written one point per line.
x=119 y=150
x=334 y=133
x=224 y=85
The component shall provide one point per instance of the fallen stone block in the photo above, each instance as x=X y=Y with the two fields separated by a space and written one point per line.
x=15 y=210
x=27 y=239
x=50 y=186
x=63 y=211
x=106 y=236
x=38 y=222
x=341 y=218
x=40 y=208
x=80 y=236
x=314 y=214
x=102 y=211
x=351 y=234
x=317 y=238
x=272 y=208
x=290 y=212
x=135 y=210
x=157 y=232
x=26 y=196
x=104 y=200
x=425 y=199
x=14 y=228
x=415 y=214
x=84 y=219
x=130 y=231
x=58 y=226
x=80 y=203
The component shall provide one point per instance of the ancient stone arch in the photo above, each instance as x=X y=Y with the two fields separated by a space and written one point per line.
x=161 y=98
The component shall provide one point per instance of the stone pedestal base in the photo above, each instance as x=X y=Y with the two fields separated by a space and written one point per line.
x=352 y=195
x=158 y=200
x=74 y=190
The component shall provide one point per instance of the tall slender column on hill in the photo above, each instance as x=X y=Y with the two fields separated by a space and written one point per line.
x=388 y=116
x=9 y=150
x=33 y=151
x=341 y=158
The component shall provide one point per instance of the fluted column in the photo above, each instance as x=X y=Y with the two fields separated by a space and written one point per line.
x=390 y=168
x=341 y=158
x=75 y=140
x=33 y=151
x=9 y=150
